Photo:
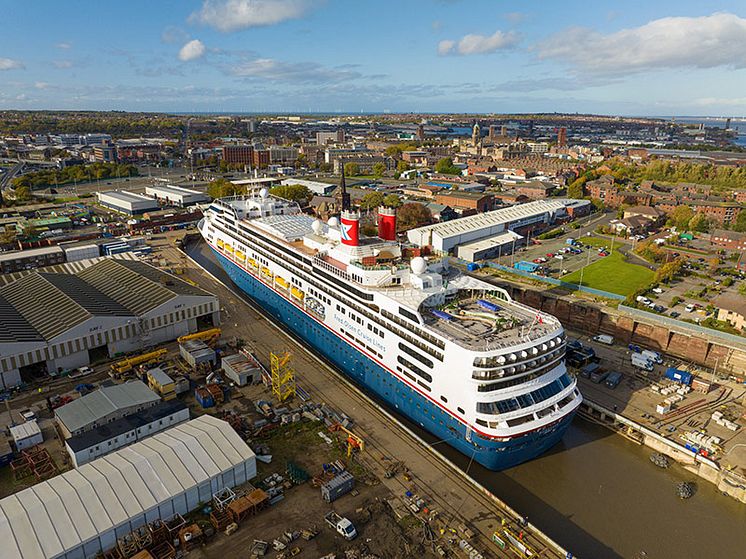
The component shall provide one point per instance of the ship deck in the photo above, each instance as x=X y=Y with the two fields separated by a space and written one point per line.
x=470 y=324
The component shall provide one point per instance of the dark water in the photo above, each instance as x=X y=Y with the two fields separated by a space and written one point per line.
x=599 y=496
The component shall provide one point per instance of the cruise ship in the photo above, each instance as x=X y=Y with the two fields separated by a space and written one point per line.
x=452 y=353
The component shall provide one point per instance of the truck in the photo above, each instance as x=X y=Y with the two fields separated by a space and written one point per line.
x=604 y=339
x=342 y=525
x=654 y=356
x=641 y=362
x=613 y=380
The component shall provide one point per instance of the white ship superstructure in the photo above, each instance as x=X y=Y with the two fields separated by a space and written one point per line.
x=454 y=353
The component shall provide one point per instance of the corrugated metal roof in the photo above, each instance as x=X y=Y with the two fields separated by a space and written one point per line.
x=86 y=295
x=45 y=307
x=136 y=285
x=495 y=217
x=90 y=408
x=60 y=514
x=14 y=327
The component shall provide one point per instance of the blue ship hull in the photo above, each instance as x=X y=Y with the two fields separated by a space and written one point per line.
x=363 y=371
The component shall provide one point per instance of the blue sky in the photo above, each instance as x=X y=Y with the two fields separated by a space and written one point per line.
x=613 y=57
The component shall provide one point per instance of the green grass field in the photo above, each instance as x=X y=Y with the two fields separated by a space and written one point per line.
x=612 y=274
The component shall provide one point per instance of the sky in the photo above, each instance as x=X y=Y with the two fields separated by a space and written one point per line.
x=630 y=57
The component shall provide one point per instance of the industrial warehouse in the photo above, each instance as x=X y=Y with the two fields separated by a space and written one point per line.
x=457 y=233
x=83 y=512
x=57 y=321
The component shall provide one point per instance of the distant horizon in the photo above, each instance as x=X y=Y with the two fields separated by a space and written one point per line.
x=392 y=113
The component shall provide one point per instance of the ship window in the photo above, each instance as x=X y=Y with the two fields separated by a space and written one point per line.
x=444 y=399
x=460 y=410
x=415 y=369
x=412 y=353
x=409 y=314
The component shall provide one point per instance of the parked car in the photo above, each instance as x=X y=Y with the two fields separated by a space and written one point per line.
x=602 y=253
x=550 y=255
x=657 y=290
x=675 y=314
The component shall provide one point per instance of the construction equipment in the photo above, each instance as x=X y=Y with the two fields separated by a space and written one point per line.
x=208 y=336
x=353 y=441
x=126 y=365
x=283 y=376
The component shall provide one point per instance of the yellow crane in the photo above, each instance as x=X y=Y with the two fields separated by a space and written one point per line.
x=125 y=365
x=208 y=336
x=354 y=442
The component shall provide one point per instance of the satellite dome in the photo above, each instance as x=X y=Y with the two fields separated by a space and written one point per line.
x=418 y=265
x=317 y=226
x=333 y=222
x=263 y=193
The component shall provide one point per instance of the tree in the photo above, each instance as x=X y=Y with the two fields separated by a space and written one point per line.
x=699 y=223
x=713 y=263
x=22 y=193
x=352 y=169
x=379 y=169
x=668 y=271
x=293 y=192
x=445 y=166
x=412 y=215
x=220 y=188
x=402 y=166
x=391 y=201
x=576 y=188
x=680 y=217
x=371 y=200
x=740 y=223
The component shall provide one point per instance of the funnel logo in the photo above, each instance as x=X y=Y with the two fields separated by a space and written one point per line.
x=346 y=231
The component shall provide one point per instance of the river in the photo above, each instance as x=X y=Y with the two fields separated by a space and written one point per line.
x=599 y=496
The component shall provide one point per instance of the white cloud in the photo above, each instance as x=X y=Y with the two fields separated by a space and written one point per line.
x=193 y=50
x=479 y=44
x=232 y=15
x=41 y=85
x=62 y=64
x=672 y=42
x=445 y=47
x=10 y=64
x=64 y=46
x=515 y=17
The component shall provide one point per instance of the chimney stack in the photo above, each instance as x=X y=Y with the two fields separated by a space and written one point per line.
x=387 y=223
x=350 y=228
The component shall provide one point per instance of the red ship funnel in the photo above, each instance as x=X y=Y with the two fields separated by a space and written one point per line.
x=387 y=223
x=349 y=226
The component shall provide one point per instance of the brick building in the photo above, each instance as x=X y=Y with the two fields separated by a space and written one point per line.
x=237 y=155
x=729 y=240
x=466 y=200
x=260 y=158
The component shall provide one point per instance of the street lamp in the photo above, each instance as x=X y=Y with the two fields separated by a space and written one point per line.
x=587 y=262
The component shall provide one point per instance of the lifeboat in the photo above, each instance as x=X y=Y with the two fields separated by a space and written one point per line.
x=220 y=243
x=252 y=263
x=266 y=272
x=240 y=255
x=228 y=248
x=281 y=282
x=297 y=293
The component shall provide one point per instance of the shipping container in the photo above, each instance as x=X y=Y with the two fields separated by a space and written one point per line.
x=525 y=266
x=204 y=397
x=677 y=375
x=337 y=487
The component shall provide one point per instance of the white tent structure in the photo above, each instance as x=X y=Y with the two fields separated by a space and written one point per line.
x=82 y=512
